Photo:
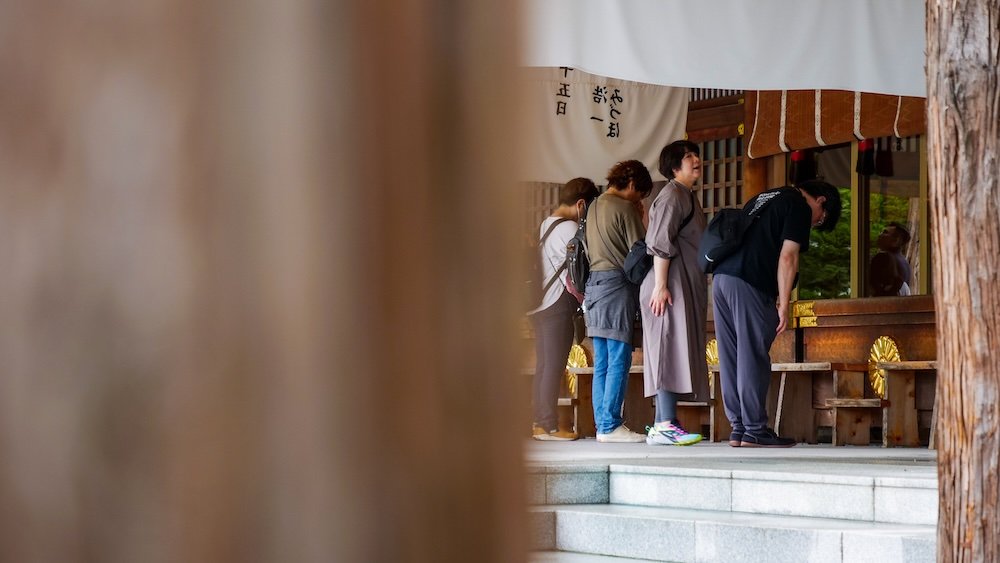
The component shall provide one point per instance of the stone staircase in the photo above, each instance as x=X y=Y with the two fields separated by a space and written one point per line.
x=728 y=510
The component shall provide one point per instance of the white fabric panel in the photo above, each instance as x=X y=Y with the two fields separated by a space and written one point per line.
x=865 y=45
x=576 y=142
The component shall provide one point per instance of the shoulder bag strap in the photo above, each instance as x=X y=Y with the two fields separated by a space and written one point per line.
x=687 y=219
x=689 y=216
x=607 y=246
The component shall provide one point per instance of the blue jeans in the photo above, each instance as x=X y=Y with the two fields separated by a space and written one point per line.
x=612 y=359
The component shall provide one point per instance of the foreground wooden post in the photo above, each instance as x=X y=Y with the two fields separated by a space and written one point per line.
x=964 y=172
x=255 y=301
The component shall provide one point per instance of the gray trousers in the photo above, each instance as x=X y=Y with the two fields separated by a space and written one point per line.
x=553 y=339
x=745 y=321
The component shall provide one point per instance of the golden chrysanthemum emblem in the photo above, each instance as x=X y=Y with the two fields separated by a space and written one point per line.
x=712 y=352
x=712 y=355
x=884 y=349
x=577 y=359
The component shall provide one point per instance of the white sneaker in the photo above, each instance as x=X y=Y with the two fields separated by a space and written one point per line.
x=621 y=434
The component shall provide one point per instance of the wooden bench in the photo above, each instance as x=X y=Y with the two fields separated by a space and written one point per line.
x=789 y=403
x=793 y=405
x=899 y=415
x=852 y=411
x=638 y=411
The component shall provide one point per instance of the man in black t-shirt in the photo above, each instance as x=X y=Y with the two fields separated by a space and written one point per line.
x=750 y=293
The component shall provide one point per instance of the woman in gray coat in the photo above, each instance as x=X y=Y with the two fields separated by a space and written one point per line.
x=674 y=296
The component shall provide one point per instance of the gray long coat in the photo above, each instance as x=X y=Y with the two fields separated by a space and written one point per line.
x=673 y=345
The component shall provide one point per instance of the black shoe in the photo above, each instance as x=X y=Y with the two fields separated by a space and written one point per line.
x=765 y=439
x=735 y=439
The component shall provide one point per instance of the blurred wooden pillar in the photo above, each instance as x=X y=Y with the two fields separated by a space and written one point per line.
x=257 y=303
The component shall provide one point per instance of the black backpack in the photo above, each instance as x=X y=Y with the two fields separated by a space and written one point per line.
x=725 y=234
x=577 y=260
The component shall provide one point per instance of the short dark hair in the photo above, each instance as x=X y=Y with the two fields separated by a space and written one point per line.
x=672 y=155
x=630 y=171
x=904 y=233
x=577 y=189
x=831 y=206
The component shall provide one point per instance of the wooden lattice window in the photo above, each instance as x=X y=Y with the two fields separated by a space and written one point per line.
x=722 y=174
x=540 y=200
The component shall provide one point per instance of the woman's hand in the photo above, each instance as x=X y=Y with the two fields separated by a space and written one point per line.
x=660 y=299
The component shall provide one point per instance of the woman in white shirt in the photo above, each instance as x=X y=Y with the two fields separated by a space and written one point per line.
x=553 y=318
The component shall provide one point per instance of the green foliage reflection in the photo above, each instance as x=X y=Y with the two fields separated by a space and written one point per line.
x=825 y=270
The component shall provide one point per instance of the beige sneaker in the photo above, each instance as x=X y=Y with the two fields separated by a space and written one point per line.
x=621 y=434
x=539 y=433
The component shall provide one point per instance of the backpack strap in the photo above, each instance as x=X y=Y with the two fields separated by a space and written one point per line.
x=541 y=245
x=552 y=227
x=553 y=279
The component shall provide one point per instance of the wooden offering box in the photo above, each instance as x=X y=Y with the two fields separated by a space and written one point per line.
x=844 y=332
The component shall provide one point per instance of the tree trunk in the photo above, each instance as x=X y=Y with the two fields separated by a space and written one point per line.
x=255 y=301
x=963 y=104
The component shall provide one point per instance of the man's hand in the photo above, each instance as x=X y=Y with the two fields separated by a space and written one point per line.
x=788 y=265
x=782 y=318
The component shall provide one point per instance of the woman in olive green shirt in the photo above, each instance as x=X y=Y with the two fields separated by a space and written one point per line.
x=614 y=224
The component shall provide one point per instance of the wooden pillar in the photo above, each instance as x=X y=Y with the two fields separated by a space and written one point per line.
x=256 y=302
x=964 y=173
x=860 y=228
x=764 y=173
x=754 y=176
x=755 y=170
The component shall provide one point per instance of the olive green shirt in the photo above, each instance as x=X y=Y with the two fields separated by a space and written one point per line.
x=613 y=226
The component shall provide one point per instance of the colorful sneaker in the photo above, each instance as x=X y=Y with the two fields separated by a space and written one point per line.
x=670 y=434
x=539 y=433
x=620 y=434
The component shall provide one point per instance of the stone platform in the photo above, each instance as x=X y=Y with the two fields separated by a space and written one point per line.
x=710 y=502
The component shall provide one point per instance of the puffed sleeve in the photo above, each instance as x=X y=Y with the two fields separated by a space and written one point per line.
x=667 y=213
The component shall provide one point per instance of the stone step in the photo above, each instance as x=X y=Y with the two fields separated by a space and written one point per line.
x=568 y=484
x=888 y=493
x=673 y=534
x=570 y=557
x=850 y=492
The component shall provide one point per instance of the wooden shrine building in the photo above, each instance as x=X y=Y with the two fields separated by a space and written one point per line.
x=871 y=146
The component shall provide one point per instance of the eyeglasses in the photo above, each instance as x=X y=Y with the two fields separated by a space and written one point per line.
x=822 y=219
